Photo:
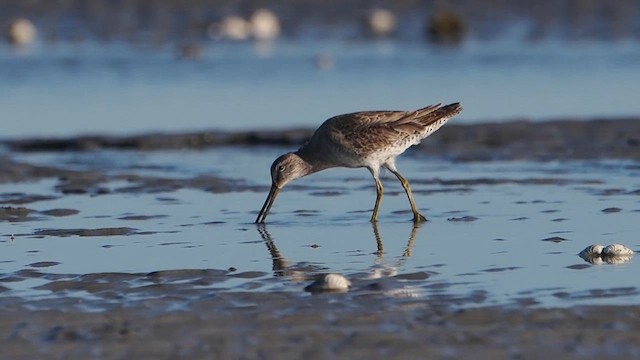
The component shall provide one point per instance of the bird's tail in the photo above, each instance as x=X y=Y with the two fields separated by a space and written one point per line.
x=433 y=113
x=429 y=119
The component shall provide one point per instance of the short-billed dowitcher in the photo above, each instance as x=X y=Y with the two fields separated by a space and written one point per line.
x=368 y=139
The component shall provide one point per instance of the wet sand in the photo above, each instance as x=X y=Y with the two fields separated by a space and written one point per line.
x=513 y=140
x=276 y=326
x=180 y=314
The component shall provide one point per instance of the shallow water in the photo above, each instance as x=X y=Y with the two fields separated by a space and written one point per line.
x=60 y=90
x=499 y=232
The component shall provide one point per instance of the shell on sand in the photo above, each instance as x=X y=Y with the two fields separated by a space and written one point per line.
x=265 y=25
x=232 y=28
x=611 y=254
x=381 y=22
x=21 y=32
x=329 y=283
x=617 y=250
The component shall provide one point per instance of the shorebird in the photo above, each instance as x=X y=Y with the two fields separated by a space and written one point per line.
x=369 y=139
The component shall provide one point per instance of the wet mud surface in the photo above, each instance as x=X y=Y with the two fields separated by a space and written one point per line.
x=517 y=140
x=278 y=325
x=148 y=250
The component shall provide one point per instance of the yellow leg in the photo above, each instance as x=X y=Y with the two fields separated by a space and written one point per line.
x=417 y=217
x=379 y=191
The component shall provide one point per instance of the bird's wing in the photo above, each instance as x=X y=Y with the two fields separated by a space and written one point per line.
x=427 y=119
x=358 y=132
x=396 y=123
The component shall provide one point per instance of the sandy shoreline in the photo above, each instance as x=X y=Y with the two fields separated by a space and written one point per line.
x=277 y=325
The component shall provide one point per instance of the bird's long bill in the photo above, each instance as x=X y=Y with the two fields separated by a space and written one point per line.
x=262 y=216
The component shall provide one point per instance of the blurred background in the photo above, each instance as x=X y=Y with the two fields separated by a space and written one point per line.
x=71 y=67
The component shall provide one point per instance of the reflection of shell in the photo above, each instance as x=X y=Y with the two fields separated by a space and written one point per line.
x=617 y=259
x=382 y=271
x=594 y=259
x=617 y=250
x=591 y=250
x=329 y=283
x=404 y=292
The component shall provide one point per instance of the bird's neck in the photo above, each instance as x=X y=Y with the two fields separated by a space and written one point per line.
x=309 y=163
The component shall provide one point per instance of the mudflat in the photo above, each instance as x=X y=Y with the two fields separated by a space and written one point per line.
x=61 y=204
x=278 y=325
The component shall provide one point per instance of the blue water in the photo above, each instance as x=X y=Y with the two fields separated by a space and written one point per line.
x=501 y=253
x=60 y=90
x=320 y=223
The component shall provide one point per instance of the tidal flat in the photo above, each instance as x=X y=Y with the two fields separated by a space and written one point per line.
x=151 y=251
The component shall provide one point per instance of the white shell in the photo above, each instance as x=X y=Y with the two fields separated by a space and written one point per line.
x=591 y=251
x=617 y=250
x=21 y=32
x=329 y=282
x=231 y=27
x=265 y=24
x=381 y=22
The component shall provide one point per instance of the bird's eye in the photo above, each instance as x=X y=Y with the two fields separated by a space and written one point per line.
x=281 y=168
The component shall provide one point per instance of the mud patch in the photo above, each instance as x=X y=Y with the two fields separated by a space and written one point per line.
x=555 y=239
x=85 y=232
x=60 y=212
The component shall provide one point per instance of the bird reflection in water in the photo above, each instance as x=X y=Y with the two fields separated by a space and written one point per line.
x=385 y=270
x=298 y=272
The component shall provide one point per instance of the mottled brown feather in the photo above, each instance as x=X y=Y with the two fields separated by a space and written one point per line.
x=362 y=133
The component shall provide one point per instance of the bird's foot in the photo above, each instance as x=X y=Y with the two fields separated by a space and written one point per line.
x=418 y=218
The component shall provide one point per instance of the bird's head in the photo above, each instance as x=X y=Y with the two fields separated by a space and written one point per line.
x=284 y=169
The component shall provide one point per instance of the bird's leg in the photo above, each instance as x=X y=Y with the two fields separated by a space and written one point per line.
x=417 y=217
x=379 y=244
x=379 y=191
